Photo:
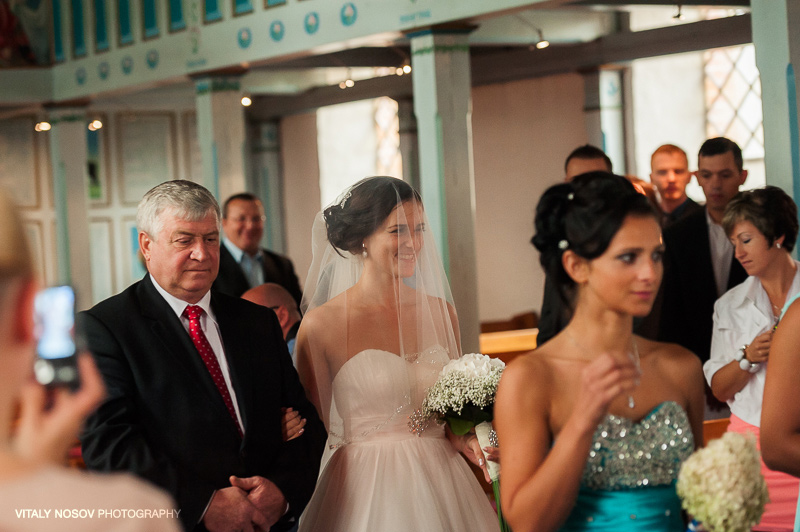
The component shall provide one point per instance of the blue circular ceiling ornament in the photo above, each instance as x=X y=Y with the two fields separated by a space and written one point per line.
x=103 y=70
x=244 y=38
x=276 y=30
x=152 y=59
x=312 y=23
x=127 y=64
x=349 y=14
x=80 y=75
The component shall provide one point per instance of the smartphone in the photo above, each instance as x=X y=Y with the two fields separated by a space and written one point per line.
x=56 y=351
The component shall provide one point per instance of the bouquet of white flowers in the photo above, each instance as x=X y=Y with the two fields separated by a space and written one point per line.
x=463 y=397
x=722 y=486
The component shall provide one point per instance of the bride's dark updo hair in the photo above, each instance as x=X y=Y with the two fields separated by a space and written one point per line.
x=363 y=209
x=583 y=215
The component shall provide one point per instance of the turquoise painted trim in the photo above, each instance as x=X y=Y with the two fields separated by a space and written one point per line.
x=215 y=168
x=101 y=43
x=211 y=12
x=794 y=134
x=58 y=42
x=242 y=7
x=78 y=30
x=125 y=31
x=176 y=20
x=149 y=19
x=272 y=3
x=267 y=200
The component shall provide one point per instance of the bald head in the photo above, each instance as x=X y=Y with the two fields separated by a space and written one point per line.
x=277 y=298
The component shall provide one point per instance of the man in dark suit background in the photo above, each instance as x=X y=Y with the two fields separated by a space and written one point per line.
x=556 y=313
x=670 y=175
x=196 y=380
x=699 y=263
x=243 y=263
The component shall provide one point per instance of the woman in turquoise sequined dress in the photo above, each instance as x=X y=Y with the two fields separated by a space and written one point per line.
x=595 y=424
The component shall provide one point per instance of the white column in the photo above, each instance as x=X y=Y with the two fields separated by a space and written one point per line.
x=443 y=106
x=268 y=182
x=777 y=43
x=70 y=195
x=603 y=110
x=409 y=142
x=221 y=134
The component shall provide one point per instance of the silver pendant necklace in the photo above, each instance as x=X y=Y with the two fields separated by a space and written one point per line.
x=633 y=355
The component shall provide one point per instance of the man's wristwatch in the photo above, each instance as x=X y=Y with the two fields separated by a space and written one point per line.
x=744 y=364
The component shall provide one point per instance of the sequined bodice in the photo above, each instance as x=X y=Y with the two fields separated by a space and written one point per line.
x=627 y=455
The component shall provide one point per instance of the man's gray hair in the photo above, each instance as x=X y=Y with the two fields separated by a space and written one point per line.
x=188 y=201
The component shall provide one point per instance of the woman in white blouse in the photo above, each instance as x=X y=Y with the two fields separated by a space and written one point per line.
x=762 y=225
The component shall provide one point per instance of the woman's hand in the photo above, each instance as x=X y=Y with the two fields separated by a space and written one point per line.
x=472 y=450
x=758 y=350
x=49 y=426
x=292 y=425
x=602 y=381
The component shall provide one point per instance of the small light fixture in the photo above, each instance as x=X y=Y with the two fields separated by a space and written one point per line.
x=347 y=83
x=246 y=101
x=94 y=125
x=542 y=43
x=42 y=126
x=406 y=69
x=399 y=71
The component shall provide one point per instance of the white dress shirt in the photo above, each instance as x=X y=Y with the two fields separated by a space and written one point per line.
x=740 y=315
x=721 y=254
x=208 y=323
x=251 y=265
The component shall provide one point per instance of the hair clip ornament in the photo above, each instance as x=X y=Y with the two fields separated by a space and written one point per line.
x=563 y=244
x=345 y=198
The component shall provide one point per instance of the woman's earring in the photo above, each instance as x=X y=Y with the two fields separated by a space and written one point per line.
x=778 y=245
x=364 y=253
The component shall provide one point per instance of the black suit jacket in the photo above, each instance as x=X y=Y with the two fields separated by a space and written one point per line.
x=277 y=269
x=164 y=419
x=689 y=291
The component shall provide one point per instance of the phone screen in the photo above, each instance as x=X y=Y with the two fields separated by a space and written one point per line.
x=55 y=322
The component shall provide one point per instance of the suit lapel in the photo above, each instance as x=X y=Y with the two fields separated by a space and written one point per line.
x=167 y=327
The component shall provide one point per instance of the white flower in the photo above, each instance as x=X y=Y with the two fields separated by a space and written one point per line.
x=467 y=381
x=722 y=485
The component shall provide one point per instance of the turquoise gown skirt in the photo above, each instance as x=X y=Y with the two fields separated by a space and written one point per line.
x=651 y=509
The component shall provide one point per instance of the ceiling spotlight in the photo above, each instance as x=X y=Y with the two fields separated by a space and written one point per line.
x=94 y=125
x=406 y=69
x=399 y=71
x=246 y=101
x=542 y=43
x=342 y=85
x=349 y=82
x=42 y=126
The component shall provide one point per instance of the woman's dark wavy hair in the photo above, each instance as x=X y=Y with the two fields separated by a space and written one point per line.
x=583 y=215
x=770 y=209
x=364 y=208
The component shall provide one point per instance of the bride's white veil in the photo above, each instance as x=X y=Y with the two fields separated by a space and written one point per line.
x=376 y=282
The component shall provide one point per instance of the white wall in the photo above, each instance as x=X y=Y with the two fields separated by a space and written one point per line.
x=300 y=187
x=522 y=132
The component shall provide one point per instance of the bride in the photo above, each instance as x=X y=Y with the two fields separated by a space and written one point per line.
x=379 y=326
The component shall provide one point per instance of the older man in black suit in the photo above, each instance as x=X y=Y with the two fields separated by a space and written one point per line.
x=243 y=264
x=196 y=380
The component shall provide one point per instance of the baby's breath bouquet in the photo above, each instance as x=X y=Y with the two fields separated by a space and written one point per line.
x=463 y=397
x=722 y=486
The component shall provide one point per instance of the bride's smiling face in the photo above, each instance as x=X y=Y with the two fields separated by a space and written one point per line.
x=395 y=245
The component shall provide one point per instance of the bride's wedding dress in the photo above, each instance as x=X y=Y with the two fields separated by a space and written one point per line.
x=386 y=478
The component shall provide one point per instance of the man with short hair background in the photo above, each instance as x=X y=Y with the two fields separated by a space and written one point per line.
x=585 y=159
x=243 y=263
x=197 y=380
x=277 y=298
x=699 y=263
x=670 y=174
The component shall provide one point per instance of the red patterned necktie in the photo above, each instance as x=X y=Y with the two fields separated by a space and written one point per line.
x=193 y=312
